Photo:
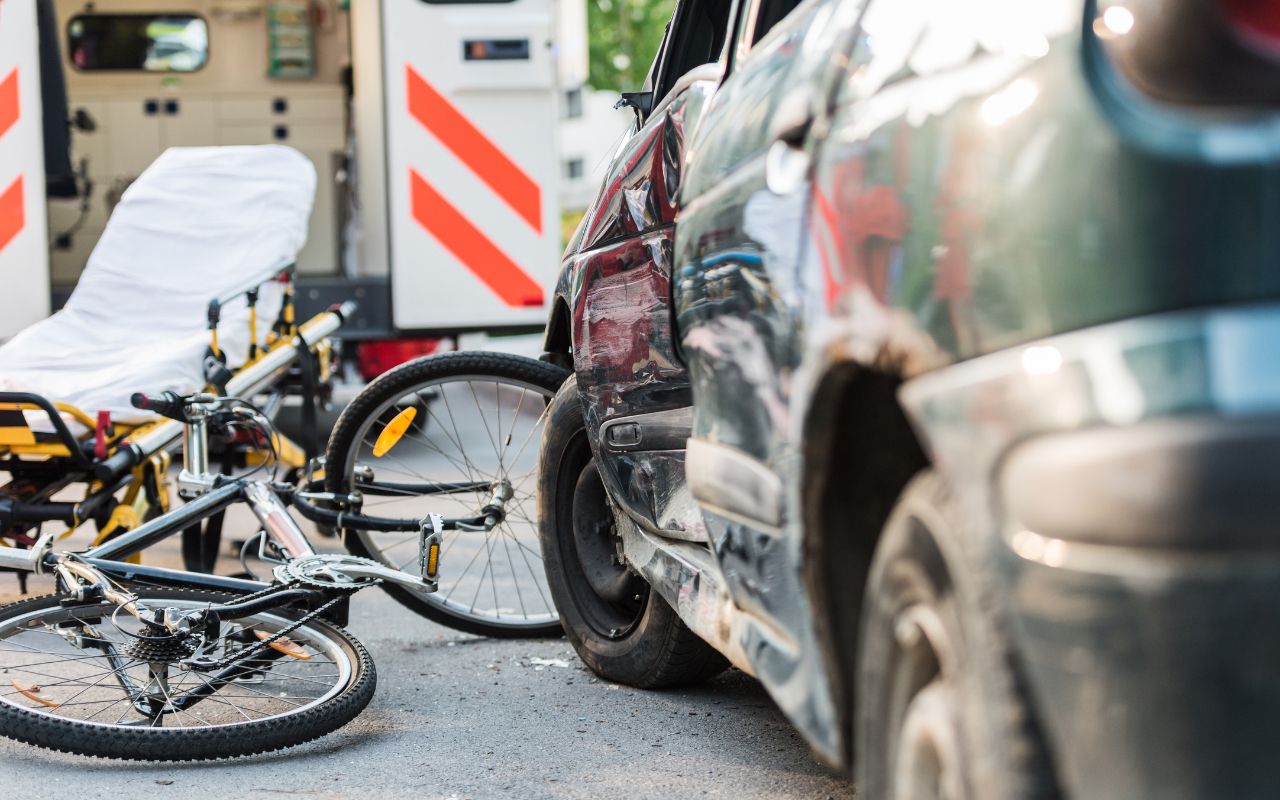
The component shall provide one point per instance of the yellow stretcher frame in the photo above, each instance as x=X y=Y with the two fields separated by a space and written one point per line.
x=43 y=463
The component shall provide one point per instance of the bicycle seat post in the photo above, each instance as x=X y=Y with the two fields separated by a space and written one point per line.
x=195 y=478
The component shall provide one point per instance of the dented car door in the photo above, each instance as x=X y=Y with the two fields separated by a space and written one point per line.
x=635 y=389
x=740 y=302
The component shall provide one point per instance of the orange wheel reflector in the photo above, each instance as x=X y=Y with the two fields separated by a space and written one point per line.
x=285 y=645
x=394 y=431
x=32 y=693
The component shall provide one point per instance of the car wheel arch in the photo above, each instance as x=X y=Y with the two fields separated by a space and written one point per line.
x=859 y=453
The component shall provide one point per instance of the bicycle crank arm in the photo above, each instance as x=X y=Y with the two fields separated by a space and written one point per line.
x=429 y=547
x=342 y=573
x=413 y=583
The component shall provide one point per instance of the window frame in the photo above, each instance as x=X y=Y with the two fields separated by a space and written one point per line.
x=662 y=77
x=466 y=2
x=743 y=43
x=192 y=15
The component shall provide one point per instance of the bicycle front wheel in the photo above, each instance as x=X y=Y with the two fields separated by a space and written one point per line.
x=86 y=678
x=471 y=424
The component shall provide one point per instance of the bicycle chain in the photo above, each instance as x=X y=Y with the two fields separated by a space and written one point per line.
x=255 y=648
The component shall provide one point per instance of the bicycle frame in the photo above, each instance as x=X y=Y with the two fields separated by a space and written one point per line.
x=263 y=499
x=108 y=557
x=265 y=503
x=97 y=573
x=101 y=568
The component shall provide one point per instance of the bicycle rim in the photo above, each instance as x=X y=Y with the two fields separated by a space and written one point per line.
x=466 y=430
x=87 y=665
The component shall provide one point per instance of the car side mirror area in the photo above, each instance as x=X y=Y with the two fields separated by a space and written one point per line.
x=793 y=119
x=642 y=102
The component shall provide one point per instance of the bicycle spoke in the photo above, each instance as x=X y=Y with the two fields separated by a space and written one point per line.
x=110 y=674
x=447 y=443
x=454 y=423
x=483 y=418
x=519 y=595
x=537 y=582
x=463 y=575
x=480 y=583
x=114 y=689
x=515 y=416
x=493 y=577
x=114 y=703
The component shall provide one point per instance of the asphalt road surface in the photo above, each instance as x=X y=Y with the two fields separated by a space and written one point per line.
x=456 y=716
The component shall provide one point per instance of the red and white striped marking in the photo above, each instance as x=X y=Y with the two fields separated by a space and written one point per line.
x=12 y=207
x=504 y=177
x=24 y=242
x=472 y=165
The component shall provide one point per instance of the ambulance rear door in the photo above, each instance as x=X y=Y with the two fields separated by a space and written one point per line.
x=472 y=162
x=24 y=254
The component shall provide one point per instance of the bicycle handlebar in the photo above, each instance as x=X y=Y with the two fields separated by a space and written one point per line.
x=166 y=404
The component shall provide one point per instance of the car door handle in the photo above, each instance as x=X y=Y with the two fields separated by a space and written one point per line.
x=787 y=162
x=793 y=120
x=786 y=166
x=793 y=132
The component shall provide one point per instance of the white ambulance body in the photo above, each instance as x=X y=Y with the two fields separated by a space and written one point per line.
x=432 y=125
x=24 y=257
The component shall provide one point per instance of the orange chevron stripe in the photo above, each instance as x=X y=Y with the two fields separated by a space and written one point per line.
x=9 y=110
x=12 y=214
x=470 y=246
x=473 y=148
x=830 y=286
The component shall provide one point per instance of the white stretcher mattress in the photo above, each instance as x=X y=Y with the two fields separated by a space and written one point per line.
x=198 y=223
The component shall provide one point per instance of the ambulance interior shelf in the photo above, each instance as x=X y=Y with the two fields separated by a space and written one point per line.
x=182 y=77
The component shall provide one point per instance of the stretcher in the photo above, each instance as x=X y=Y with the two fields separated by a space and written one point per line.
x=190 y=288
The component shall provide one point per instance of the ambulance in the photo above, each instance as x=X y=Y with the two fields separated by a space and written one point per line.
x=431 y=123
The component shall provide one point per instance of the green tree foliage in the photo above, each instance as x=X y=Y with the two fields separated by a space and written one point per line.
x=623 y=38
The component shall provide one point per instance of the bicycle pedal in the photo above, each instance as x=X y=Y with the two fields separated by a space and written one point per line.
x=429 y=541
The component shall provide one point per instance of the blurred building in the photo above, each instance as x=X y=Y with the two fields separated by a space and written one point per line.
x=590 y=129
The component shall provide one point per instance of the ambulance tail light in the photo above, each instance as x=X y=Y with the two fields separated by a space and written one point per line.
x=1256 y=23
x=376 y=357
x=1222 y=56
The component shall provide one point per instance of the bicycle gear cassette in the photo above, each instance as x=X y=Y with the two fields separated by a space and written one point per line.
x=325 y=571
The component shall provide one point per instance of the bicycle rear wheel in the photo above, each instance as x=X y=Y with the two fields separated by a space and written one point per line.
x=76 y=677
x=474 y=422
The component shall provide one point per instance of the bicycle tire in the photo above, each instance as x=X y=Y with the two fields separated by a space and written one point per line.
x=41 y=727
x=375 y=399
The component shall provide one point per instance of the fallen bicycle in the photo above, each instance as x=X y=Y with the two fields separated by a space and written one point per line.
x=141 y=662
